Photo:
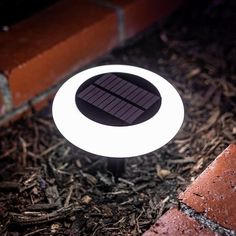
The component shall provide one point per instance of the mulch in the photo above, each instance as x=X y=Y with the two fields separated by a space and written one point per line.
x=49 y=187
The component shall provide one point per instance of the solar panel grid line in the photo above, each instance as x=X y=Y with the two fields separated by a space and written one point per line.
x=101 y=99
x=118 y=86
x=134 y=116
x=113 y=78
x=106 y=102
x=108 y=80
x=118 y=78
x=123 y=109
x=85 y=91
x=128 y=114
x=135 y=93
x=150 y=102
x=133 y=85
x=117 y=107
x=139 y=96
x=91 y=93
x=97 y=96
x=122 y=89
x=118 y=116
x=128 y=92
x=124 y=92
x=112 y=84
x=145 y=100
x=120 y=110
x=102 y=78
x=111 y=105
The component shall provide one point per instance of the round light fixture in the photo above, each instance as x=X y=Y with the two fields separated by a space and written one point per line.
x=118 y=111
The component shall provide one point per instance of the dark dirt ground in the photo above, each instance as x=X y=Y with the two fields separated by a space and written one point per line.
x=49 y=187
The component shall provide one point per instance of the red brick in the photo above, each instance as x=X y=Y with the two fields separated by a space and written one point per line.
x=139 y=14
x=213 y=193
x=39 y=105
x=175 y=222
x=40 y=51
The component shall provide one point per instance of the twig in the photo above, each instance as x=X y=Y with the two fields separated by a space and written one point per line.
x=28 y=187
x=182 y=161
x=137 y=220
x=214 y=147
x=52 y=148
x=44 y=122
x=126 y=202
x=55 y=170
x=7 y=153
x=120 y=192
x=125 y=181
x=49 y=217
x=66 y=204
x=31 y=178
x=24 y=148
x=44 y=206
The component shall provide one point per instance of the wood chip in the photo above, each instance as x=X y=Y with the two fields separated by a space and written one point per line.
x=86 y=199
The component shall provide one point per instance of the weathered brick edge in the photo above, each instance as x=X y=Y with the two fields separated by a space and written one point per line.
x=35 y=104
x=5 y=96
x=125 y=26
x=175 y=222
x=213 y=193
x=208 y=205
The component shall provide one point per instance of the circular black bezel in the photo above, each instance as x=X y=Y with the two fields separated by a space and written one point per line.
x=102 y=117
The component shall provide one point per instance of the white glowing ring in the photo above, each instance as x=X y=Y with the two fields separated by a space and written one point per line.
x=114 y=141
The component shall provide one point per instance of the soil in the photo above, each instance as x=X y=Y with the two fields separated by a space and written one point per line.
x=49 y=187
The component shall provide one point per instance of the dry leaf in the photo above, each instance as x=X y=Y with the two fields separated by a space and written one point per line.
x=234 y=130
x=86 y=199
x=55 y=228
x=78 y=163
x=162 y=173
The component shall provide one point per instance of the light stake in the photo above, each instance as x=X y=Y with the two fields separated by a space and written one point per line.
x=116 y=166
x=118 y=111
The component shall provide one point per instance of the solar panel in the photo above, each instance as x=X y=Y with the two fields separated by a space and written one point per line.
x=127 y=90
x=118 y=97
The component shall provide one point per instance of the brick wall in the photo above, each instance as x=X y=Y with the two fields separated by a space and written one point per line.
x=39 y=52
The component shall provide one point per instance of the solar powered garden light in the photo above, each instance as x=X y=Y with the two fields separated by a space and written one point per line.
x=118 y=111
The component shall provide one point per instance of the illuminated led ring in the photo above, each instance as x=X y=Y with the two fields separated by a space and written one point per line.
x=118 y=141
